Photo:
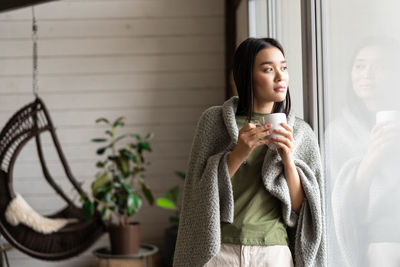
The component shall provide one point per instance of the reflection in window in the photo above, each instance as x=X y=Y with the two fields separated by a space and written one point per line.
x=362 y=145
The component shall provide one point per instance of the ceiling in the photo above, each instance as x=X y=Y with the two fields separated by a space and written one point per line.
x=6 y=5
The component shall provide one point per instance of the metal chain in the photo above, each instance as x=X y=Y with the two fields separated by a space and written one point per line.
x=35 y=54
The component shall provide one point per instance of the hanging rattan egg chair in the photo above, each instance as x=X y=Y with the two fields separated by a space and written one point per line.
x=32 y=233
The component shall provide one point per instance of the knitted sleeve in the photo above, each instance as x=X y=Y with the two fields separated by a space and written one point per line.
x=306 y=229
x=310 y=237
x=207 y=184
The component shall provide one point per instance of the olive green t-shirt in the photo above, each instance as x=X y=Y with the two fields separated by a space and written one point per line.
x=257 y=214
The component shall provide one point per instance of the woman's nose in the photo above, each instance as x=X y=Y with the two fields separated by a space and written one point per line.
x=368 y=72
x=278 y=75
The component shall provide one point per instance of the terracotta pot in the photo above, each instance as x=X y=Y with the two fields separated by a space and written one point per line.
x=125 y=239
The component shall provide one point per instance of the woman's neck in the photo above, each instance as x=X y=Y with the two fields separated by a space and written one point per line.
x=264 y=108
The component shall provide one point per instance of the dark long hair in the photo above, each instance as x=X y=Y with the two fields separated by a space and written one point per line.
x=243 y=63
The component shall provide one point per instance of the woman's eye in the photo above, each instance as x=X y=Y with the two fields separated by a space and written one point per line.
x=268 y=70
x=359 y=66
x=284 y=68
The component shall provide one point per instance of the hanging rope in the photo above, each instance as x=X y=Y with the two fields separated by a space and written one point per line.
x=35 y=54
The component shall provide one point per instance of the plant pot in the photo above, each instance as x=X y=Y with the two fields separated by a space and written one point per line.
x=170 y=236
x=125 y=239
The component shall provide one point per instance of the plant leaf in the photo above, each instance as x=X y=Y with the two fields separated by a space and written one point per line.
x=104 y=214
x=99 y=140
x=101 y=150
x=143 y=146
x=119 y=121
x=182 y=175
x=131 y=146
x=101 y=181
x=149 y=136
x=127 y=187
x=130 y=202
x=100 y=191
x=134 y=158
x=134 y=202
x=128 y=155
x=120 y=201
x=83 y=197
x=166 y=203
x=129 y=206
x=102 y=120
x=110 y=133
x=173 y=194
x=147 y=193
x=88 y=209
x=138 y=202
x=123 y=166
x=101 y=164
x=112 y=158
x=107 y=197
x=125 y=153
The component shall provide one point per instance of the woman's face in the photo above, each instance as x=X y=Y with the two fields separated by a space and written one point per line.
x=373 y=76
x=270 y=76
x=366 y=73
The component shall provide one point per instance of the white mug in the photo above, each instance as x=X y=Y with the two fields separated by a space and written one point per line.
x=275 y=119
x=385 y=116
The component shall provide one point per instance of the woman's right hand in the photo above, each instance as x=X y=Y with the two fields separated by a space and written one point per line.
x=251 y=136
x=383 y=147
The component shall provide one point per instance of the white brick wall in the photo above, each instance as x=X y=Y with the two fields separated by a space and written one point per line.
x=159 y=62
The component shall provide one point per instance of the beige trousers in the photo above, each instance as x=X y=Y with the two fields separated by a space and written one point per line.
x=233 y=255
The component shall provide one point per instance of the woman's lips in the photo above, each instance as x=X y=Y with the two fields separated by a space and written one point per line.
x=280 y=89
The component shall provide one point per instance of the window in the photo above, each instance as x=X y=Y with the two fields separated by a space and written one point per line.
x=281 y=20
x=346 y=54
x=362 y=119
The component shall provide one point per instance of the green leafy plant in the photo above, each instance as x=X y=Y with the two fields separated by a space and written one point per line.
x=115 y=191
x=170 y=200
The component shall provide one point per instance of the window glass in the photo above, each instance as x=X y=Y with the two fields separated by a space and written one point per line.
x=362 y=111
x=286 y=27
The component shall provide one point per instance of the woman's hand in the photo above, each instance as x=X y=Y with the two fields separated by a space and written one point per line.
x=285 y=143
x=250 y=136
x=383 y=147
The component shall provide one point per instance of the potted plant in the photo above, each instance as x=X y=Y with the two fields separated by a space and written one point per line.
x=170 y=202
x=115 y=191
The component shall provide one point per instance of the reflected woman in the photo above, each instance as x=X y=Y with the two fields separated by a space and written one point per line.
x=363 y=162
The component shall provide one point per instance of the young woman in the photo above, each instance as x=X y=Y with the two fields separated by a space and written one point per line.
x=245 y=204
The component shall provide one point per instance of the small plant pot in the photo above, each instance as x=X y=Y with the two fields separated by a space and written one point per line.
x=125 y=239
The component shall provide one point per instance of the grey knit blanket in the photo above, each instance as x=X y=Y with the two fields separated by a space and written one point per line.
x=208 y=198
